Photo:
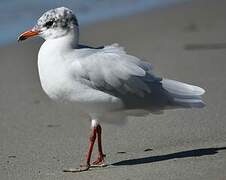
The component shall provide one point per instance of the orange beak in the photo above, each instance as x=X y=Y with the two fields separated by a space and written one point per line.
x=28 y=34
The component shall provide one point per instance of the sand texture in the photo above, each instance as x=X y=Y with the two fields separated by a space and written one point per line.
x=186 y=42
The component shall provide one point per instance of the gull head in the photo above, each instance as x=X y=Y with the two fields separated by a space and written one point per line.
x=53 y=24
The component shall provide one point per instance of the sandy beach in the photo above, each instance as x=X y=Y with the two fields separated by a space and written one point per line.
x=185 y=42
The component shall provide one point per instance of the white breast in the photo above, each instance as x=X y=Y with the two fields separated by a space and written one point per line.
x=52 y=73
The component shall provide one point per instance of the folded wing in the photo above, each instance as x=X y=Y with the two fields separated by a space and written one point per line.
x=112 y=70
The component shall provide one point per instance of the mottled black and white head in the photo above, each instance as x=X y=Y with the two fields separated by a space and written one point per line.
x=53 y=24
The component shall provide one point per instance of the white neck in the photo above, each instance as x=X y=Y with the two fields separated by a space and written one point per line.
x=64 y=43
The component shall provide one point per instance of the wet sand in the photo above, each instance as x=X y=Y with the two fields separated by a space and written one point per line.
x=184 y=42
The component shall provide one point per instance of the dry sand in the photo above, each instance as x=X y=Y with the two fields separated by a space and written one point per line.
x=186 y=42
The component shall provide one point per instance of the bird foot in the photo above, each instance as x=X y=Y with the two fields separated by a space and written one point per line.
x=75 y=170
x=99 y=162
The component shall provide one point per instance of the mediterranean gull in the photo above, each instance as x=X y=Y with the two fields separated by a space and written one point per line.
x=101 y=81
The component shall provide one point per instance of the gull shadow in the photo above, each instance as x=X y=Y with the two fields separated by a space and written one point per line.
x=177 y=155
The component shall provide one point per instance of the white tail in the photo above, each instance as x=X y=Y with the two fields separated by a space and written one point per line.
x=184 y=94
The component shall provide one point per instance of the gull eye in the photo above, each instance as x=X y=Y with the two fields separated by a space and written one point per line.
x=49 y=24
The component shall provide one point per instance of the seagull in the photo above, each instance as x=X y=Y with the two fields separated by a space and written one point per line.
x=103 y=82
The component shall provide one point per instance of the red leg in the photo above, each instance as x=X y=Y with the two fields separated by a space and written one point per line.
x=92 y=141
x=101 y=155
x=96 y=130
x=88 y=156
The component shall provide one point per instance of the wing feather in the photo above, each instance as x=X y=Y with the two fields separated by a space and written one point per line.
x=112 y=69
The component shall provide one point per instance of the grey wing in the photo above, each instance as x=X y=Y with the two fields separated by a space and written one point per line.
x=113 y=71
